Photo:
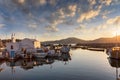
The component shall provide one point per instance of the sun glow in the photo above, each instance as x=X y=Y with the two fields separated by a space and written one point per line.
x=116 y=32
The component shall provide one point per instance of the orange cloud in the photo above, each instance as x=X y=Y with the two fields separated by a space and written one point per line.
x=42 y=2
x=21 y=1
x=88 y=15
x=72 y=9
x=106 y=2
x=115 y=20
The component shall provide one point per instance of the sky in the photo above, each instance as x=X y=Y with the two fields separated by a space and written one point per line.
x=57 y=19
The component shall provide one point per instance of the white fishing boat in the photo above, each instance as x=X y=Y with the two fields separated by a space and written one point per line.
x=40 y=53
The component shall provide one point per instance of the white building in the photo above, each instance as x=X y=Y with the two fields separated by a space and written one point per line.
x=12 y=46
x=26 y=44
x=29 y=44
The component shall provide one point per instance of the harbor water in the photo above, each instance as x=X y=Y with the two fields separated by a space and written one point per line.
x=80 y=65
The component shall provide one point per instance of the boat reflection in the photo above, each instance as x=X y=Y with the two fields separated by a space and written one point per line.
x=27 y=64
x=1 y=63
x=115 y=64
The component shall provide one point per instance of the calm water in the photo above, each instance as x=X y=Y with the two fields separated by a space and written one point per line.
x=82 y=65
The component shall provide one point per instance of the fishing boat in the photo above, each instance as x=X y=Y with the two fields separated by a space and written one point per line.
x=51 y=52
x=65 y=49
x=114 y=52
x=40 y=53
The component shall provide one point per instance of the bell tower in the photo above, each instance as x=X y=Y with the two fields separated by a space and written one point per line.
x=13 y=38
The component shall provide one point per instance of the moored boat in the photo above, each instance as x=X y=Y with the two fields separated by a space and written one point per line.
x=40 y=53
x=65 y=49
x=114 y=52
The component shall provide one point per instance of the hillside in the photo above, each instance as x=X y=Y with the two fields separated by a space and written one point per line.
x=73 y=40
x=106 y=40
x=70 y=40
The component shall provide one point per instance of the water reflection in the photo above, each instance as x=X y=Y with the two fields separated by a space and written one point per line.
x=27 y=64
x=1 y=62
x=85 y=65
x=115 y=64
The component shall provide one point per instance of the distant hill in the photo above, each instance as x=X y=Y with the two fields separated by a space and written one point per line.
x=73 y=40
x=106 y=40
x=70 y=40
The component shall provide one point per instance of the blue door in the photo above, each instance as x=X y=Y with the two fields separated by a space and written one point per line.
x=12 y=54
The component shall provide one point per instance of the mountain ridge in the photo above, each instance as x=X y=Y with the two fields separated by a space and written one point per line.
x=74 y=40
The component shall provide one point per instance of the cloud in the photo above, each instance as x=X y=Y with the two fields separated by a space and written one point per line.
x=59 y=17
x=115 y=20
x=89 y=15
x=105 y=13
x=39 y=16
x=52 y=28
x=19 y=35
x=2 y=25
x=42 y=2
x=92 y=32
x=92 y=3
x=33 y=25
x=72 y=10
x=94 y=10
x=106 y=26
x=18 y=2
x=81 y=27
x=67 y=11
x=52 y=2
x=62 y=13
x=104 y=16
x=106 y=2
x=100 y=27
x=115 y=2
x=21 y=1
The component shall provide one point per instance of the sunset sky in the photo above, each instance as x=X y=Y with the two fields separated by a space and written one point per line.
x=57 y=19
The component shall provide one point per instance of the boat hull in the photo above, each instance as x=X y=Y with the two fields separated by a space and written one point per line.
x=40 y=55
x=114 y=54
